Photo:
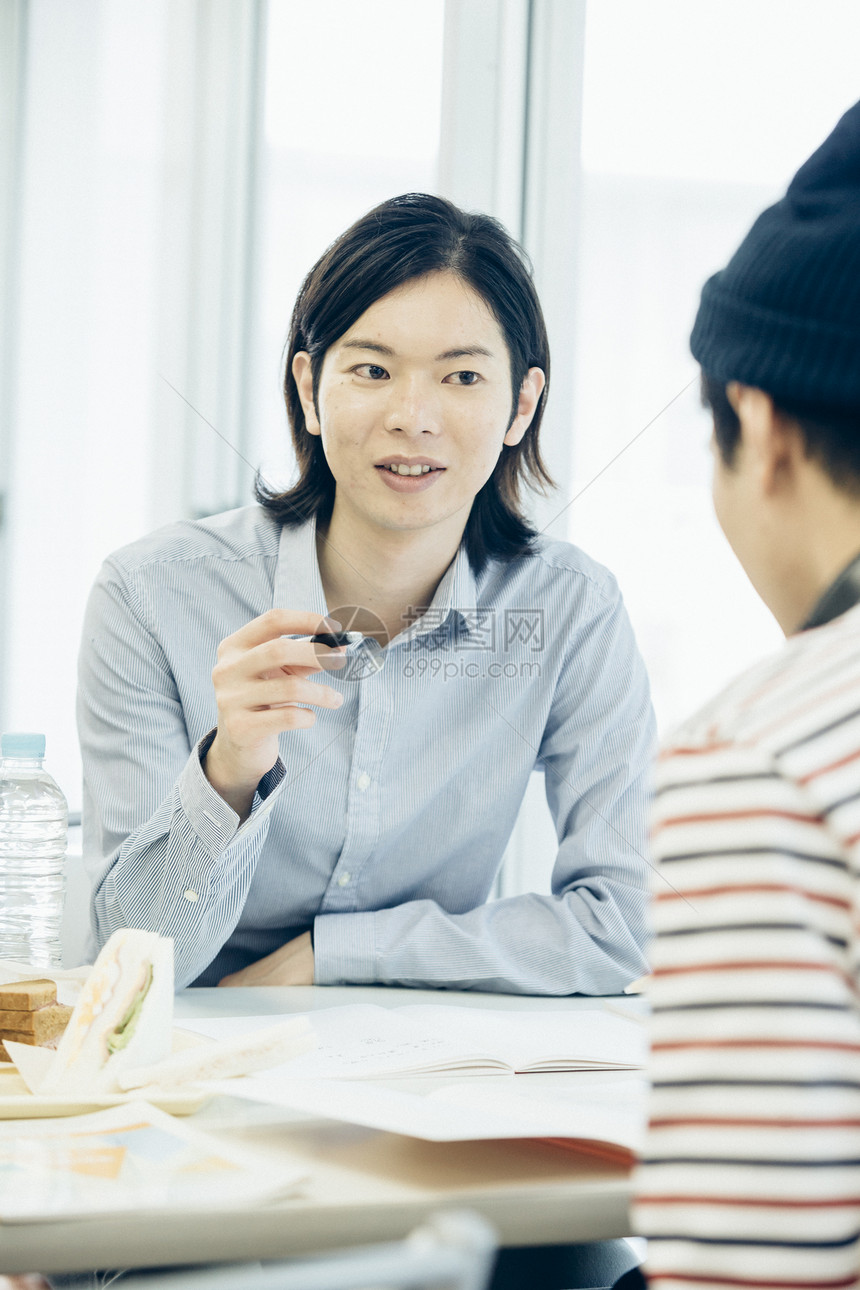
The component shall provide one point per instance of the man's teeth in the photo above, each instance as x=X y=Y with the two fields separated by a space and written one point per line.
x=410 y=470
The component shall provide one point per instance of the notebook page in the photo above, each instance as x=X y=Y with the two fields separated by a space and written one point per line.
x=364 y=1041
x=561 y=1040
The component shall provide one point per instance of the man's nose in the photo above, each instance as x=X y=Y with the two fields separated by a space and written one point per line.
x=412 y=408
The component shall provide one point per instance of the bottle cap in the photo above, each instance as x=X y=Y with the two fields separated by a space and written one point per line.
x=22 y=745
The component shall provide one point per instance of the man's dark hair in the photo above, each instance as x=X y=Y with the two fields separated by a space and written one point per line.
x=401 y=240
x=831 y=435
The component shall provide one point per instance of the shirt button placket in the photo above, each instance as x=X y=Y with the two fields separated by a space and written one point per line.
x=370 y=737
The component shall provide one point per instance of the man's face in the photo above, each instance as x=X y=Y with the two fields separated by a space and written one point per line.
x=421 y=383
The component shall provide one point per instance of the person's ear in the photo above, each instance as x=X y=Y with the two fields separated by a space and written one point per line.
x=530 y=392
x=733 y=394
x=769 y=441
x=304 y=379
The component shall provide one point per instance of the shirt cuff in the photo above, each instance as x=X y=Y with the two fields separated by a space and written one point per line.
x=345 y=949
x=214 y=822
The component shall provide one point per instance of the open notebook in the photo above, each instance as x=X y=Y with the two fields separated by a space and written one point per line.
x=368 y=1042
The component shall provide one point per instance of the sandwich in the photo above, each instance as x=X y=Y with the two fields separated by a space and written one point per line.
x=241 y=1055
x=30 y=1014
x=123 y=1016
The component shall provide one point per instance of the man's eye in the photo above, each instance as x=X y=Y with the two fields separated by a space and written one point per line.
x=463 y=378
x=372 y=371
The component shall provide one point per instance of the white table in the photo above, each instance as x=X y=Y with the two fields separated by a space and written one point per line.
x=364 y=1185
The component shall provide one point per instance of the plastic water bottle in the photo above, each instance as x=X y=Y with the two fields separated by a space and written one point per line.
x=33 y=832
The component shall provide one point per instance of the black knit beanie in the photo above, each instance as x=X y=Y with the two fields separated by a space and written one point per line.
x=784 y=315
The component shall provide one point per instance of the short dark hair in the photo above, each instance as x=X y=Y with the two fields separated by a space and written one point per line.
x=831 y=435
x=398 y=241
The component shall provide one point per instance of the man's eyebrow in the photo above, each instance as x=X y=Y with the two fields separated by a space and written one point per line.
x=462 y=351
x=373 y=345
x=467 y=351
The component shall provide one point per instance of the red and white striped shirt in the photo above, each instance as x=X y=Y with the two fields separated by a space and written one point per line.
x=751 y=1172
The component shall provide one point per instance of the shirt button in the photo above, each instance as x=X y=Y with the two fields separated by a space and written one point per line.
x=190 y=895
x=363 y=782
x=344 y=880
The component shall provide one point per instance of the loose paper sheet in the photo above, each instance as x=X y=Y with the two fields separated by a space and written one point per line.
x=519 y=1106
x=129 y=1158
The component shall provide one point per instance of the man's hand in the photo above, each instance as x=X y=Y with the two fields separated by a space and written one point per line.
x=259 y=679
x=292 y=964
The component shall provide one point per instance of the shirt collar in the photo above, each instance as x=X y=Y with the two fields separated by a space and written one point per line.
x=297 y=578
x=455 y=603
x=842 y=594
x=298 y=584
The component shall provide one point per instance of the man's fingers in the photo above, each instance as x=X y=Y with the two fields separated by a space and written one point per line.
x=252 y=728
x=281 y=653
x=292 y=689
x=285 y=653
x=279 y=622
x=282 y=659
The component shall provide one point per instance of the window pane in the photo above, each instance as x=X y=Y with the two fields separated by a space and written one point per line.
x=352 y=111
x=694 y=119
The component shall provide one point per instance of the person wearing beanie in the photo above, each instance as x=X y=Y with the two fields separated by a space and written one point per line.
x=750 y=1175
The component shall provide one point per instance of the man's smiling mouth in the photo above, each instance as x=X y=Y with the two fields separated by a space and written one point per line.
x=410 y=470
x=409 y=466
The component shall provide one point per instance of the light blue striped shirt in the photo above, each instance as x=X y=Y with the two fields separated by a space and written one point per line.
x=383 y=826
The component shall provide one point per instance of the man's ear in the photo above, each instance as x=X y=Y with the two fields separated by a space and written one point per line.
x=530 y=392
x=769 y=441
x=304 y=379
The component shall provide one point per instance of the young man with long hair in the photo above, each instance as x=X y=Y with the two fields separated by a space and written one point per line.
x=296 y=815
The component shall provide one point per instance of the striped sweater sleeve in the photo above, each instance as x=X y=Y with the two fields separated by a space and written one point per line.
x=751 y=1172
